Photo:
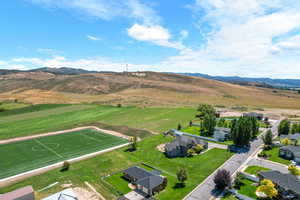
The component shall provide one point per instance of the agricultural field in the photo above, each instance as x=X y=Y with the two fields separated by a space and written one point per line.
x=91 y=170
x=59 y=117
x=26 y=155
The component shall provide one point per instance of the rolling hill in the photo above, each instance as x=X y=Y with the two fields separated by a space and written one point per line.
x=136 y=88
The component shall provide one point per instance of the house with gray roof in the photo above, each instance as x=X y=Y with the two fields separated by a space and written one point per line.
x=290 y=152
x=288 y=185
x=147 y=182
x=292 y=137
x=180 y=146
x=258 y=116
x=222 y=134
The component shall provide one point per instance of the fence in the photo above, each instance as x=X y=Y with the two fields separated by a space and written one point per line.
x=176 y=132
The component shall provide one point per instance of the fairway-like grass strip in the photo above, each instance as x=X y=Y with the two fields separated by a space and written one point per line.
x=43 y=113
x=48 y=148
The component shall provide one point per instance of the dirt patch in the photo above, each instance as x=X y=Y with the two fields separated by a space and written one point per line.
x=85 y=194
x=161 y=147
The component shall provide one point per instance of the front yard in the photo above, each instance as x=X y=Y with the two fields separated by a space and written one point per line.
x=273 y=155
x=198 y=168
x=255 y=169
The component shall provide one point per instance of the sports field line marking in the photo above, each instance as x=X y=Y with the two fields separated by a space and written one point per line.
x=90 y=137
x=48 y=148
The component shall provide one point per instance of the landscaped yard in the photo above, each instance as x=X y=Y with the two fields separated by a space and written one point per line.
x=248 y=189
x=198 y=168
x=274 y=156
x=255 y=169
x=118 y=182
x=228 y=197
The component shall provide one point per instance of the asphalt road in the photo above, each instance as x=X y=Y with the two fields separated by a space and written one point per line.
x=204 y=191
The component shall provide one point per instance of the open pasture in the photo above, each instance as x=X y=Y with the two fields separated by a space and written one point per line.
x=31 y=154
x=66 y=117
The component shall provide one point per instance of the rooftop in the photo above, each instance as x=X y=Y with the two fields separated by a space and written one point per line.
x=17 y=193
x=286 y=181
x=294 y=149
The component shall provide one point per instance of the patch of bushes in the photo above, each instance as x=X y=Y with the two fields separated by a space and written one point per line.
x=66 y=166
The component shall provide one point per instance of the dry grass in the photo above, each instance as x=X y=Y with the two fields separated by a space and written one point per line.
x=156 y=89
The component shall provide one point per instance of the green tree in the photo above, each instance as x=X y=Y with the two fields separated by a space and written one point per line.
x=209 y=124
x=294 y=128
x=267 y=138
x=284 y=127
x=221 y=122
x=204 y=109
x=181 y=176
x=298 y=128
x=242 y=132
x=254 y=127
x=133 y=144
x=179 y=127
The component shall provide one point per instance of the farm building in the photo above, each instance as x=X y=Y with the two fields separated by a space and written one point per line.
x=147 y=182
x=179 y=146
x=25 y=193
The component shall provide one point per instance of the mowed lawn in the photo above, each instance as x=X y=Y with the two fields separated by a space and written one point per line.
x=26 y=155
x=198 y=168
x=65 y=117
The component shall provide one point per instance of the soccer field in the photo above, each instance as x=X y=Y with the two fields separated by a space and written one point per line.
x=23 y=156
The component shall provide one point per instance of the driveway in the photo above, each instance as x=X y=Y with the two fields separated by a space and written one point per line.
x=212 y=145
x=268 y=164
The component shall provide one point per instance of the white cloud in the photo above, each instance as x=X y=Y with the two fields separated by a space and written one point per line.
x=106 y=10
x=3 y=62
x=240 y=40
x=93 y=37
x=184 y=34
x=155 y=34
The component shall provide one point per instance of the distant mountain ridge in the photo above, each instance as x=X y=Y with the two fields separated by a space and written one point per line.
x=262 y=82
x=247 y=80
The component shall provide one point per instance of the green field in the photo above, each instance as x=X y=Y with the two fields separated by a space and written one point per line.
x=26 y=155
x=65 y=117
x=198 y=168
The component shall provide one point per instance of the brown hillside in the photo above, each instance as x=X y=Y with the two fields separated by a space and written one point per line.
x=144 y=88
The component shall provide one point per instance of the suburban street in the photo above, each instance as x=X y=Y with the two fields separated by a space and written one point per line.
x=204 y=191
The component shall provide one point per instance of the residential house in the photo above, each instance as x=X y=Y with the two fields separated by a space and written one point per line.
x=288 y=185
x=179 y=146
x=290 y=152
x=147 y=182
x=25 y=193
x=292 y=137
x=221 y=134
x=67 y=194
x=258 y=116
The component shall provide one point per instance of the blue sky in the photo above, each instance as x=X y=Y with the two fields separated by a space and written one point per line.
x=258 y=38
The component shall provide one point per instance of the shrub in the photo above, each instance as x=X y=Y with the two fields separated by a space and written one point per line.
x=190 y=152
x=181 y=175
x=294 y=170
x=262 y=155
x=222 y=179
x=66 y=166
x=198 y=148
x=268 y=188
x=238 y=181
x=285 y=141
